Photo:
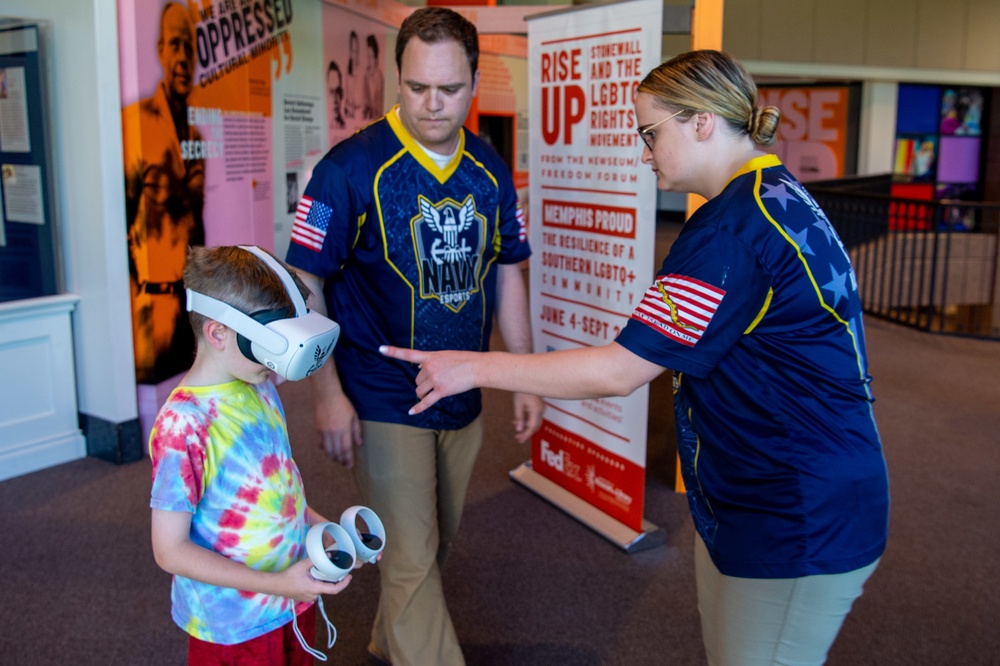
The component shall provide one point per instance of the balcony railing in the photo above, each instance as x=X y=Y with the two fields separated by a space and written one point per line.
x=927 y=264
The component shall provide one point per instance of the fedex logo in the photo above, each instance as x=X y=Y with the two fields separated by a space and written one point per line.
x=551 y=458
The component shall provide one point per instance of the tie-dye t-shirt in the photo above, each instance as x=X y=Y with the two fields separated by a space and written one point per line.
x=222 y=453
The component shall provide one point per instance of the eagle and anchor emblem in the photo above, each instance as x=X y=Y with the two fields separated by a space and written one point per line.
x=449 y=239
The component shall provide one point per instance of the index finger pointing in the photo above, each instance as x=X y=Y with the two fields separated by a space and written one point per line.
x=409 y=355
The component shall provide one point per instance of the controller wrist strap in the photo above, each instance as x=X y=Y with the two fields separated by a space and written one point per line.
x=331 y=632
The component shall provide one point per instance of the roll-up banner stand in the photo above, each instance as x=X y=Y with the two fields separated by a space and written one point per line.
x=592 y=228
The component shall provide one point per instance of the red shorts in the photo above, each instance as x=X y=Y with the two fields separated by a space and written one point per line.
x=278 y=647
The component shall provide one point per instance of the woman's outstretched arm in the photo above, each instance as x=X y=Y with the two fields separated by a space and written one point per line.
x=572 y=374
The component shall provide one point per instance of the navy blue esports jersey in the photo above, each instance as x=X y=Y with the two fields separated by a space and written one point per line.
x=756 y=311
x=408 y=252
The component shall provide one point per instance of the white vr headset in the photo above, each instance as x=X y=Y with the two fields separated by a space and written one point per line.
x=292 y=346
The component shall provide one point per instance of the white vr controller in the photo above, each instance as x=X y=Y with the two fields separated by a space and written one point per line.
x=351 y=542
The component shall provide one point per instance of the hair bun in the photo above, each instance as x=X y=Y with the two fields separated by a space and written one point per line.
x=753 y=123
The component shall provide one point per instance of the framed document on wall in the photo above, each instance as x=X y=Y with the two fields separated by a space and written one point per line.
x=28 y=266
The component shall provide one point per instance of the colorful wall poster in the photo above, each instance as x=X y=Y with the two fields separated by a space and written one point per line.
x=939 y=149
x=352 y=83
x=358 y=56
x=916 y=157
x=815 y=138
x=200 y=85
x=962 y=111
x=356 y=87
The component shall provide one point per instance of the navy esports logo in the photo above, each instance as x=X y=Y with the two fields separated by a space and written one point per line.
x=449 y=239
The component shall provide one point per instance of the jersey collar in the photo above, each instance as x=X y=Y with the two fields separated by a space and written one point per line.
x=756 y=164
x=419 y=153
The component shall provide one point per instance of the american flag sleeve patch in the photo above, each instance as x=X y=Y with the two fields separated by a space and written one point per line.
x=679 y=307
x=312 y=219
x=522 y=227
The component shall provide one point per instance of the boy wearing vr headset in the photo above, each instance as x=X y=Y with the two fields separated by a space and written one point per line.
x=229 y=515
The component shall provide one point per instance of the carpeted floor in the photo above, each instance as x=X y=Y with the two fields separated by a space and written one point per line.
x=528 y=585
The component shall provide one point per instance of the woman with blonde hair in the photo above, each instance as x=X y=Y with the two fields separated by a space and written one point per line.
x=756 y=312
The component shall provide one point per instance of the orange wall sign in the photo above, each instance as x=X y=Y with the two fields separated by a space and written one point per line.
x=812 y=135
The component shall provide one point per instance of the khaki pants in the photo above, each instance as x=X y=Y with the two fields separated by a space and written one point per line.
x=416 y=481
x=768 y=621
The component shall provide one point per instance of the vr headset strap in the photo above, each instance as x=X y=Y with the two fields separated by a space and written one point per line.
x=236 y=320
x=286 y=279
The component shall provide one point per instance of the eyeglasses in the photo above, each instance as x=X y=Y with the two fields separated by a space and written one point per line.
x=647 y=133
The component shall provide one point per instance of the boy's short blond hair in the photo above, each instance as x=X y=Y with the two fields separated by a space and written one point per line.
x=239 y=278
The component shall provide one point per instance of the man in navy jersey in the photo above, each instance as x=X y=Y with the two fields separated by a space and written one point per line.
x=411 y=231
